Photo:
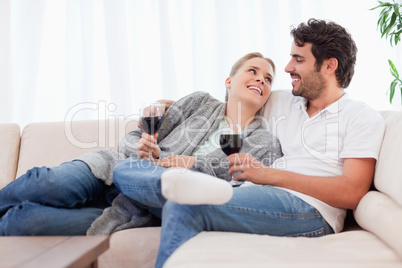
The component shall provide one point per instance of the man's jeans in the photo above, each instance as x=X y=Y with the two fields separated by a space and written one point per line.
x=63 y=200
x=254 y=209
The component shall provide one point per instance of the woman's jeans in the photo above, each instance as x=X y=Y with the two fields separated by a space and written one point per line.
x=63 y=200
x=254 y=209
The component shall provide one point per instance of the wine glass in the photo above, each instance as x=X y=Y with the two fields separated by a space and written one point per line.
x=231 y=141
x=151 y=119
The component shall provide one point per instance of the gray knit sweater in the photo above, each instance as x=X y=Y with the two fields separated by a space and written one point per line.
x=185 y=126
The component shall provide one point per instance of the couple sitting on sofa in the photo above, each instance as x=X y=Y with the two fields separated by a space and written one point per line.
x=329 y=142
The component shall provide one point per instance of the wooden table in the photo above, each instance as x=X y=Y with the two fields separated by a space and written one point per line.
x=51 y=251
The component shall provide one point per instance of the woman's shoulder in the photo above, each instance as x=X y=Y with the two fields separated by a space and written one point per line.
x=200 y=95
x=198 y=98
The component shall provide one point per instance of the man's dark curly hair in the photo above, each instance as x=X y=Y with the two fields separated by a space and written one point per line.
x=329 y=40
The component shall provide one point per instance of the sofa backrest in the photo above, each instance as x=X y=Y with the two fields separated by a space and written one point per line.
x=9 y=150
x=380 y=212
x=50 y=144
x=388 y=175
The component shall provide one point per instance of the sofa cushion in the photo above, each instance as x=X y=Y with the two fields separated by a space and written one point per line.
x=225 y=249
x=10 y=145
x=136 y=247
x=50 y=144
x=388 y=175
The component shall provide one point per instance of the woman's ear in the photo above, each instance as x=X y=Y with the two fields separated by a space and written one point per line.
x=228 y=81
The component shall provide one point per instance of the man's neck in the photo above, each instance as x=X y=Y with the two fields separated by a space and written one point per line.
x=326 y=98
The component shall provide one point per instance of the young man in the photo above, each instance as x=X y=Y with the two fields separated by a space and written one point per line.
x=330 y=144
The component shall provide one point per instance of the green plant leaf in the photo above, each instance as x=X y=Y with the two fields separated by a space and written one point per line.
x=393 y=69
x=396 y=39
x=386 y=4
x=393 y=20
x=390 y=25
x=392 y=90
x=396 y=9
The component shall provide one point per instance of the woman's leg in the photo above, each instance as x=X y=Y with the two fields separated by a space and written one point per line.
x=68 y=185
x=34 y=219
x=49 y=201
x=140 y=180
x=255 y=209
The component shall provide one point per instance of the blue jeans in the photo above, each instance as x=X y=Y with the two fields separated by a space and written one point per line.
x=63 y=200
x=254 y=209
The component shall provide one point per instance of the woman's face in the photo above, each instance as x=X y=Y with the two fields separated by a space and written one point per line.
x=251 y=84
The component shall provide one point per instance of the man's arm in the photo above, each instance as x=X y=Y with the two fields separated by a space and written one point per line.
x=165 y=104
x=342 y=191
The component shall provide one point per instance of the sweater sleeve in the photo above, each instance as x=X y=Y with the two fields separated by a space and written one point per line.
x=214 y=164
x=173 y=117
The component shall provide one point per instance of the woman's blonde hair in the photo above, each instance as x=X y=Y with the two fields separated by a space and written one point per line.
x=240 y=62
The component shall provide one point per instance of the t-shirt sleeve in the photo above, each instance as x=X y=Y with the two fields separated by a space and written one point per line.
x=364 y=134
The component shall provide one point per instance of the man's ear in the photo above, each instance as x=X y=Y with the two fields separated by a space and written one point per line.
x=228 y=82
x=332 y=65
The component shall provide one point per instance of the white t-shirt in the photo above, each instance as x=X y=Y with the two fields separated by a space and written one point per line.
x=317 y=146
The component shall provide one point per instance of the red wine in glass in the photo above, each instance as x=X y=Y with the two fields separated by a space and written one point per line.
x=151 y=119
x=151 y=124
x=231 y=143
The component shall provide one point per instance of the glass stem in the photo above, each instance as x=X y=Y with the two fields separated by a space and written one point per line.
x=150 y=157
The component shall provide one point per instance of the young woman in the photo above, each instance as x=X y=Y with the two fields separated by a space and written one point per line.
x=65 y=200
x=189 y=134
x=189 y=137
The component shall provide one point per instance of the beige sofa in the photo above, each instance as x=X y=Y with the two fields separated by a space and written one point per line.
x=374 y=241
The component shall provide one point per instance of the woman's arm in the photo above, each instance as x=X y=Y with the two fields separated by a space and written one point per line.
x=178 y=112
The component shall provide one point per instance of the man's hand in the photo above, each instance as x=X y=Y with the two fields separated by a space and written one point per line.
x=148 y=144
x=250 y=168
x=177 y=161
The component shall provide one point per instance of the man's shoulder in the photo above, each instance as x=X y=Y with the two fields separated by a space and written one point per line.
x=281 y=95
x=361 y=109
x=281 y=101
x=362 y=115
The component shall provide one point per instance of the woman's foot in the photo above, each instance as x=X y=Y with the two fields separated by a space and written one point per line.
x=188 y=187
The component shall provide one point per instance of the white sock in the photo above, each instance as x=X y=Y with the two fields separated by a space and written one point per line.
x=188 y=187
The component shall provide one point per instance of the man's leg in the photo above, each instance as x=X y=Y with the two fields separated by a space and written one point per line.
x=254 y=209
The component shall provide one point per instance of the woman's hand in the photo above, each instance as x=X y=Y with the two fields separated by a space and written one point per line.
x=148 y=144
x=177 y=161
x=251 y=169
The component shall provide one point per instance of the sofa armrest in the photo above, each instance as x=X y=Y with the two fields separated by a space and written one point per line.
x=382 y=216
x=10 y=145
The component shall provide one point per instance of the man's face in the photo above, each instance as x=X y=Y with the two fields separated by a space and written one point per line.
x=307 y=82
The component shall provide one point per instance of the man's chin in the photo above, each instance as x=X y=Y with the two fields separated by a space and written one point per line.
x=296 y=92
